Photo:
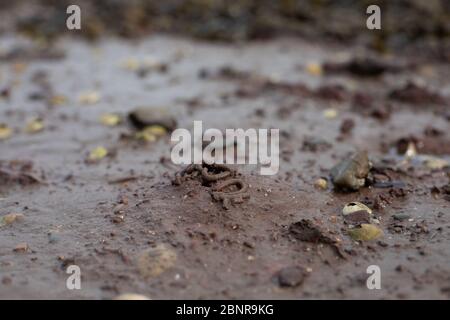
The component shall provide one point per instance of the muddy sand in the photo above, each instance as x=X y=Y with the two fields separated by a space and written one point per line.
x=129 y=228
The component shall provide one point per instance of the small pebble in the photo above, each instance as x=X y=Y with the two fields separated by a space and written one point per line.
x=97 y=153
x=21 y=247
x=351 y=173
x=357 y=218
x=5 y=131
x=291 y=276
x=11 y=218
x=321 y=184
x=110 y=119
x=154 y=261
x=89 y=97
x=366 y=232
x=330 y=113
x=34 y=126
x=314 y=69
x=434 y=163
x=151 y=133
x=131 y=64
x=401 y=216
x=118 y=219
x=146 y=116
x=347 y=126
x=53 y=237
x=354 y=207
x=58 y=100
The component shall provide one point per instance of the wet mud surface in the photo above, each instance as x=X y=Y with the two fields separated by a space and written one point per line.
x=130 y=228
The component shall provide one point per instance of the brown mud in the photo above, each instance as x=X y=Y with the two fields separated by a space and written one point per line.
x=130 y=228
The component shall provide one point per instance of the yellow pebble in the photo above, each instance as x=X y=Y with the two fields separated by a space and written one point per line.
x=330 y=113
x=5 y=132
x=354 y=207
x=98 y=153
x=89 y=97
x=145 y=135
x=366 y=232
x=156 y=130
x=34 y=126
x=58 y=100
x=11 y=218
x=434 y=163
x=314 y=69
x=321 y=183
x=131 y=64
x=110 y=119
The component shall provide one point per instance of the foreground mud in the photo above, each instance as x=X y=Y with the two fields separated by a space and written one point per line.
x=129 y=228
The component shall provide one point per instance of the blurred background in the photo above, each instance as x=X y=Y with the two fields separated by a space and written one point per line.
x=411 y=23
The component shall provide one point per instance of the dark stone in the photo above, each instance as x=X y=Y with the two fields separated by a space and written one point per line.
x=291 y=276
x=347 y=126
x=401 y=216
x=357 y=218
x=147 y=116
x=415 y=94
x=351 y=173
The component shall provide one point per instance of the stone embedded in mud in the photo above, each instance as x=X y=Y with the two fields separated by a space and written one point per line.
x=435 y=163
x=291 y=276
x=347 y=126
x=401 y=216
x=321 y=184
x=151 y=133
x=362 y=66
x=356 y=214
x=53 y=237
x=131 y=296
x=131 y=64
x=57 y=100
x=11 y=218
x=352 y=207
x=118 y=219
x=89 y=97
x=110 y=119
x=145 y=135
x=357 y=218
x=154 y=261
x=314 y=144
x=333 y=92
x=351 y=173
x=417 y=94
x=5 y=93
x=446 y=189
x=5 y=131
x=330 y=113
x=307 y=230
x=17 y=172
x=146 y=116
x=314 y=69
x=34 y=126
x=21 y=247
x=366 y=232
x=97 y=154
x=156 y=130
